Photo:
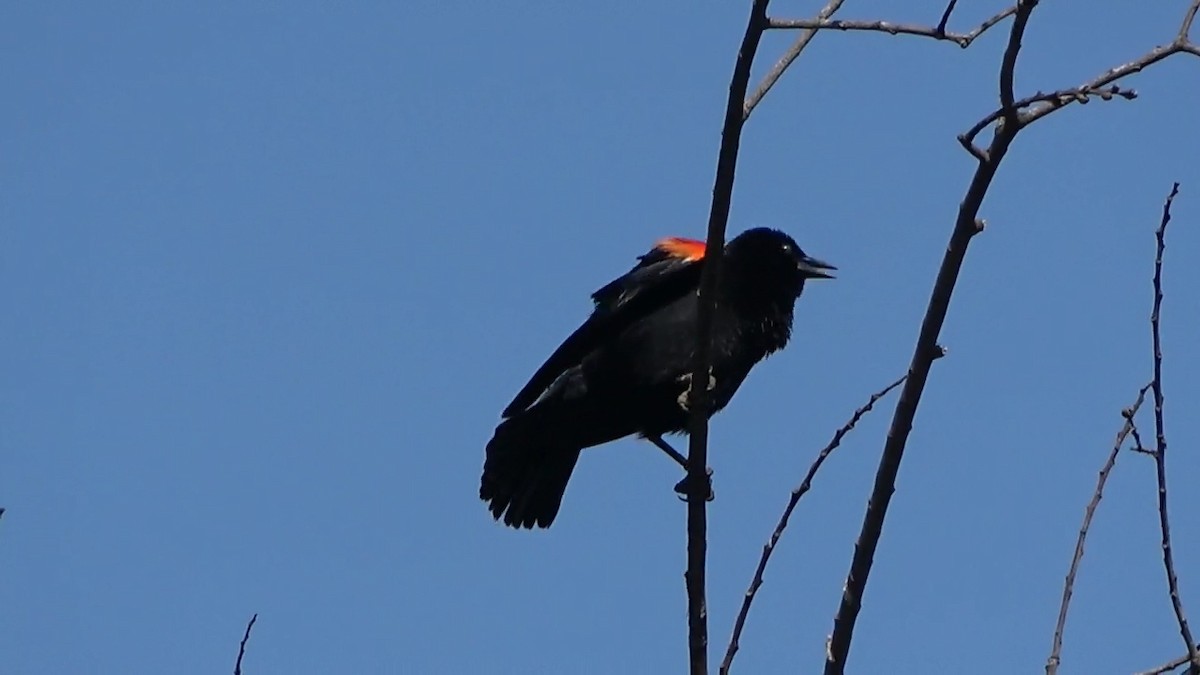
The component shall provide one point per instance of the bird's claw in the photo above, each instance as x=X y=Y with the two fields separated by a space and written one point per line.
x=682 y=487
x=684 y=400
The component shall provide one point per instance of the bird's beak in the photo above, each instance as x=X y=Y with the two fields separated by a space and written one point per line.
x=815 y=269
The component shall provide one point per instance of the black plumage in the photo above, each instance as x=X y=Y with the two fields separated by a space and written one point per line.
x=626 y=369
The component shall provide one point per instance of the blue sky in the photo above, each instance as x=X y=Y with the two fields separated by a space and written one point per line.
x=270 y=272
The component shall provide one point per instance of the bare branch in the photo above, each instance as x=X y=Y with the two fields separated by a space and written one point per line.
x=1055 y=100
x=823 y=22
x=1090 y=88
x=237 y=666
x=1008 y=65
x=1185 y=28
x=989 y=159
x=1160 y=453
x=698 y=393
x=938 y=32
x=797 y=493
x=966 y=226
x=1039 y=105
x=995 y=19
x=1054 y=660
x=786 y=60
x=1167 y=667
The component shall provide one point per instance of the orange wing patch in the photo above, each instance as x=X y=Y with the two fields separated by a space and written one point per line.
x=679 y=247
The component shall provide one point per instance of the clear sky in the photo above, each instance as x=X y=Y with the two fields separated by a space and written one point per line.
x=270 y=271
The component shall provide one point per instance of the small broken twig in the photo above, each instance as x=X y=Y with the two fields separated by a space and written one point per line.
x=237 y=666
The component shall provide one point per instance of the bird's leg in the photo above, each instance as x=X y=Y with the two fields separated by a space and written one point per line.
x=684 y=399
x=668 y=450
x=682 y=486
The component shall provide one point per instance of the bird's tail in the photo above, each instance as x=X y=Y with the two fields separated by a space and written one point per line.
x=525 y=474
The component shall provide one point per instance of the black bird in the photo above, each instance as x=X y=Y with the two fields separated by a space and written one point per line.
x=626 y=370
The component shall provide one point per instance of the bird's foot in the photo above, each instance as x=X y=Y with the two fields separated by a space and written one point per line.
x=705 y=489
x=684 y=400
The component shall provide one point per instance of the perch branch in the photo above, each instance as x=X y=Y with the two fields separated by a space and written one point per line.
x=698 y=394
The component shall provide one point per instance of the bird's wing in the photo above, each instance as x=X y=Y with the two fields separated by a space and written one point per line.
x=668 y=271
x=668 y=257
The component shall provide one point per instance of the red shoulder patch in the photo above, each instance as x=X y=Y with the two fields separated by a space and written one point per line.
x=679 y=247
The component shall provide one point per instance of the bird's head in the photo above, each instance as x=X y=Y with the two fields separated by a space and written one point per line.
x=772 y=261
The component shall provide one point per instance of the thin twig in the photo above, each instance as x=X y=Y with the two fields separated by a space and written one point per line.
x=1186 y=27
x=1128 y=428
x=1169 y=666
x=797 y=493
x=992 y=21
x=698 y=393
x=1160 y=453
x=237 y=666
x=1008 y=65
x=786 y=60
x=941 y=27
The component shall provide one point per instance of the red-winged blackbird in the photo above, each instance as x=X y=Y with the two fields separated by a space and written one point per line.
x=626 y=370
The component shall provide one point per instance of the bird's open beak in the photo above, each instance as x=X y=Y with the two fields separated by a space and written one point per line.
x=815 y=269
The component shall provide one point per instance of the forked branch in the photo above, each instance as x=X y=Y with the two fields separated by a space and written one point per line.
x=938 y=32
x=822 y=21
x=1009 y=122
